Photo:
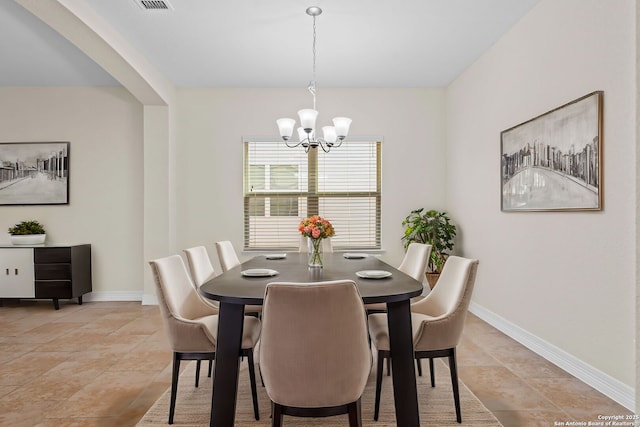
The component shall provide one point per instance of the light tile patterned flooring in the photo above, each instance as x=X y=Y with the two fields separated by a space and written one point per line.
x=105 y=363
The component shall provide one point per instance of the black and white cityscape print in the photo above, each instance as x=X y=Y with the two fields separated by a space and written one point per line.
x=34 y=173
x=553 y=162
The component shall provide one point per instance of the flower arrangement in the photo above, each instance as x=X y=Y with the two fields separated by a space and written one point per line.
x=316 y=227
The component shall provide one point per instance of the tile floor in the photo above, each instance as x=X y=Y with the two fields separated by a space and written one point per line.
x=105 y=363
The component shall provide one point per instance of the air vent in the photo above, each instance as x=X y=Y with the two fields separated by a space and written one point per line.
x=154 y=4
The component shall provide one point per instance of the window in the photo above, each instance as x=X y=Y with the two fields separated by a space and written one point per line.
x=284 y=185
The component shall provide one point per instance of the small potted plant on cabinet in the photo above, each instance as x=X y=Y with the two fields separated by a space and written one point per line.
x=433 y=228
x=27 y=233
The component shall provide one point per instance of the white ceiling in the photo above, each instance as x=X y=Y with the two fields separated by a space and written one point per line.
x=258 y=43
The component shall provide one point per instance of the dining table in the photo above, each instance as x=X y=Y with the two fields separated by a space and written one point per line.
x=377 y=282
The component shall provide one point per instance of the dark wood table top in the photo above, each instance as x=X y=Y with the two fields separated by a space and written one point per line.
x=233 y=287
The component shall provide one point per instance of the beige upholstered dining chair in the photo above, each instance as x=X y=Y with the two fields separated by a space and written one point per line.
x=437 y=322
x=413 y=264
x=415 y=260
x=229 y=259
x=314 y=355
x=190 y=326
x=227 y=255
x=201 y=269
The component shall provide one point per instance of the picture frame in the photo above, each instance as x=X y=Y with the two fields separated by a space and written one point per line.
x=34 y=173
x=553 y=162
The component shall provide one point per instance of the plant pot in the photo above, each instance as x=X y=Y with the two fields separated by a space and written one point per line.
x=432 y=278
x=28 y=239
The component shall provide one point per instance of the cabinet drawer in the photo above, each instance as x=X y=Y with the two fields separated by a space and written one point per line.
x=53 y=271
x=51 y=255
x=53 y=289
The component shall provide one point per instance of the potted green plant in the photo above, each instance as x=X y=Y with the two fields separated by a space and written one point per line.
x=433 y=228
x=27 y=233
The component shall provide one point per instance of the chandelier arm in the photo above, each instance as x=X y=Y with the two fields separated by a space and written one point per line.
x=294 y=144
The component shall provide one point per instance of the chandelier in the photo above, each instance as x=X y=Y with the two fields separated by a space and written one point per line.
x=332 y=135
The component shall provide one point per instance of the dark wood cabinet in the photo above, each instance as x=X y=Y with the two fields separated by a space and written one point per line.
x=60 y=272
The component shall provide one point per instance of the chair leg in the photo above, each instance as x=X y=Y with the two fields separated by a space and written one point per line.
x=252 y=378
x=276 y=419
x=379 y=370
x=210 y=368
x=174 y=385
x=355 y=414
x=454 y=383
x=197 y=373
x=419 y=366
x=388 y=366
x=432 y=372
x=261 y=379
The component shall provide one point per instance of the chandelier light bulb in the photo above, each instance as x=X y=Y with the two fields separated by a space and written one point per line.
x=285 y=126
x=342 y=125
x=305 y=137
x=308 y=119
x=329 y=133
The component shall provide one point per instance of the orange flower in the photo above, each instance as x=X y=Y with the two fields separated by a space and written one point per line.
x=316 y=227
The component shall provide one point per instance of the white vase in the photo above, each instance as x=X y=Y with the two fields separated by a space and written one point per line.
x=28 y=239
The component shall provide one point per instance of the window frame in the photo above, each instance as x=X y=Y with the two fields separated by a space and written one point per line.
x=311 y=195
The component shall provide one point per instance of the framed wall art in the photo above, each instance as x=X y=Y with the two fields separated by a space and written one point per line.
x=553 y=162
x=34 y=173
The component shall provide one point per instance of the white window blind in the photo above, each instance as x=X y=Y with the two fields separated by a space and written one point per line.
x=284 y=185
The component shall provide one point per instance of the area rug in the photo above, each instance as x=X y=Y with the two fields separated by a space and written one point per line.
x=436 y=404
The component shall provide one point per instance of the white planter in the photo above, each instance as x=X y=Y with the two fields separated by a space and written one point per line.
x=28 y=239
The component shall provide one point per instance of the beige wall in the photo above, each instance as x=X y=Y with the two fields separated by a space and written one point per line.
x=212 y=122
x=567 y=279
x=104 y=127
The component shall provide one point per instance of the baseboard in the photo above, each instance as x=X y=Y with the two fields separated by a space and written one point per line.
x=149 y=299
x=122 y=296
x=113 y=296
x=605 y=384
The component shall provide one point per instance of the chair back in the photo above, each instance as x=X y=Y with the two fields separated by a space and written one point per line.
x=415 y=261
x=180 y=305
x=317 y=334
x=449 y=300
x=327 y=245
x=227 y=255
x=199 y=265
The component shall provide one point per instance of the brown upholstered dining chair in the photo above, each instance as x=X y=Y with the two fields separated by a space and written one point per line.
x=314 y=355
x=190 y=327
x=437 y=322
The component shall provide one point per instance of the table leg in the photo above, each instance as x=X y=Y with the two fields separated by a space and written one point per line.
x=225 y=381
x=405 y=391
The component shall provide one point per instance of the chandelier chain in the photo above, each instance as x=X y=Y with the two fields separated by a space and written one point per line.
x=312 y=83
